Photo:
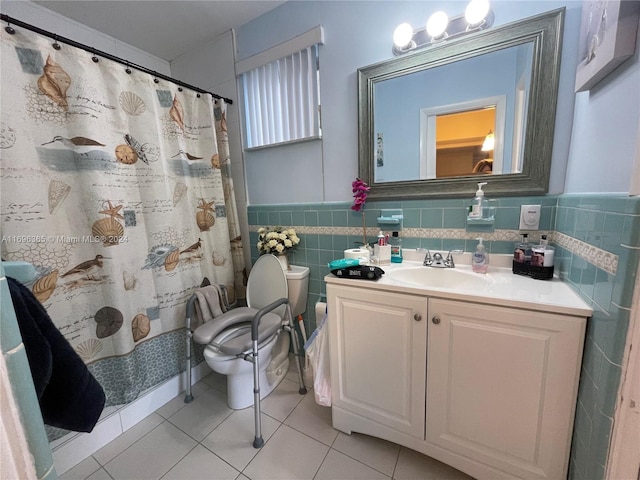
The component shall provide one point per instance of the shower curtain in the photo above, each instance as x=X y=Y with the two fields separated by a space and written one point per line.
x=112 y=185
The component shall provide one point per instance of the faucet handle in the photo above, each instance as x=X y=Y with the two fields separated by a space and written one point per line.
x=449 y=259
x=427 y=259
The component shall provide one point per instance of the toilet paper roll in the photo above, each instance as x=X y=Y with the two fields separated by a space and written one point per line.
x=356 y=253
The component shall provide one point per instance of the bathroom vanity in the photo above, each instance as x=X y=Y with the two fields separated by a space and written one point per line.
x=479 y=372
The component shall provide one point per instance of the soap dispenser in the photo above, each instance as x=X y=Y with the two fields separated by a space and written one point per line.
x=480 y=258
x=479 y=208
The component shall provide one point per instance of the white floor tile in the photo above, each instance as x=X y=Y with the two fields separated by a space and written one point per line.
x=83 y=445
x=81 y=470
x=378 y=454
x=338 y=465
x=172 y=406
x=201 y=416
x=232 y=439
x=313 y=420
x=175 y=404
x=217 y=381
x=153 y=455
x=201 y=464
x=128 y=438
x=413 y=465
x=288 y=455
x=100 y=475
x=281 y=402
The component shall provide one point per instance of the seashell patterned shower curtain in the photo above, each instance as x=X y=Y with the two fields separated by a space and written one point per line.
x=112 y=185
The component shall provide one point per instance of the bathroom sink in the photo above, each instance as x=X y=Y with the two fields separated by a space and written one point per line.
x=448 y=278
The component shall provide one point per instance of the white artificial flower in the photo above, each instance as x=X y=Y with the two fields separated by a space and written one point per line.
x=261 y=230
x=282 y=236
x=291 y=231
x=288 y=243
x=259 y=245
x=295 y=239
x=272 y=235
x=279 y=248
x=272 y=243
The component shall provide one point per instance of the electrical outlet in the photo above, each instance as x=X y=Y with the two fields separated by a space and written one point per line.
x=529 y=217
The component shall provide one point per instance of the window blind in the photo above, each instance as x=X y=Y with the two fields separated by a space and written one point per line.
x=282 y=100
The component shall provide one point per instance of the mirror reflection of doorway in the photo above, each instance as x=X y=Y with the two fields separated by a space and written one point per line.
x=459 y=142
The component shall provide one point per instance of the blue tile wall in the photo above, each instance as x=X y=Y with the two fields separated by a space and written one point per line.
x=612 y=223
x=22 y=385
x=608 y=222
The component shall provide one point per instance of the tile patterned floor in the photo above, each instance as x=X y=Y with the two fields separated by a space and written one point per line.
x=206 y=440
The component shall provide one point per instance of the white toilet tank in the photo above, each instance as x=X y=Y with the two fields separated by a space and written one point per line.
x=298 y=286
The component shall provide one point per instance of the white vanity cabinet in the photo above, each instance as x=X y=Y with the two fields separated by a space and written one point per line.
x=487 y=388
x=378 y=341
x=502 y=384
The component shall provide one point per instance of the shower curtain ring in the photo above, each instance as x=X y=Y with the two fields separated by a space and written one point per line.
x=198 y=95
x=179 y=89
x=56 y=45
x=128 y=70
x=9 y=29
x=94 y=57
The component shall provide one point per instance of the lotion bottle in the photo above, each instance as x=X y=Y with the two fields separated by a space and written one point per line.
x=480 y=258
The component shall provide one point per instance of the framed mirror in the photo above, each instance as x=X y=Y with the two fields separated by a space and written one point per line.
x=426 y=119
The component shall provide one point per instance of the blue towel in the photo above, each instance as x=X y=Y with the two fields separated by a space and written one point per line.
x=70 y=397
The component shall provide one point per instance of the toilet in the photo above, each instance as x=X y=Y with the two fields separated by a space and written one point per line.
x=267 y=283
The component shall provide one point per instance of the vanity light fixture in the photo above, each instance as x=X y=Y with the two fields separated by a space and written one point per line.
x=489 y=142
x=437 y=25
x=440 y=27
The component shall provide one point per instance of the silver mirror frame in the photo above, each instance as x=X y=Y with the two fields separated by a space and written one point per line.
x=545 y=32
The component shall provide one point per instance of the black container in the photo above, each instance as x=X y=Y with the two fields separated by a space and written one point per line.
x=528 y=270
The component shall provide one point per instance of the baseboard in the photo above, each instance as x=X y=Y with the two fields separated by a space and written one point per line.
x=74 y=448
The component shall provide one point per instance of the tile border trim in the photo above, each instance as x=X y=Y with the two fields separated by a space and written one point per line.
x=600 y=258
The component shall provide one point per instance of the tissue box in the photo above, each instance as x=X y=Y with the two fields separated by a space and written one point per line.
x=382 y=254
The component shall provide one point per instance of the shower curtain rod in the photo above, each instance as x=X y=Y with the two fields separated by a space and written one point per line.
x=58 y=38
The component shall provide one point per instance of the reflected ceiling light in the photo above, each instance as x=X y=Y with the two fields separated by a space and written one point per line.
x=440 y=27
x=489 y=142
x=437 y=25
x=476 y=12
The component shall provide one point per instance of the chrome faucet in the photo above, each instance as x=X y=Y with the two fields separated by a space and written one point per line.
x=438 y=262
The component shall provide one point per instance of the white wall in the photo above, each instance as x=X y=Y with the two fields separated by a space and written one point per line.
x=34 y=14
x=605 y=133
x=357 y=34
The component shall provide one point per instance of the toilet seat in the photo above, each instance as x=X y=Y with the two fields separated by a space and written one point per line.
x=231 y=334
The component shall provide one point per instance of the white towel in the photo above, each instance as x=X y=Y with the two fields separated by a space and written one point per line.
x=209 y=304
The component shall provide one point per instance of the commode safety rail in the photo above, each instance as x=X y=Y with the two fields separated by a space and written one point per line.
x=253 y=357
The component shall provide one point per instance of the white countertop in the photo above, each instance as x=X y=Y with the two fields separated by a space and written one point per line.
x=504 y=288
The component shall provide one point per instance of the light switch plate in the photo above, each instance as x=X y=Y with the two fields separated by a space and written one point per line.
x=529 y=217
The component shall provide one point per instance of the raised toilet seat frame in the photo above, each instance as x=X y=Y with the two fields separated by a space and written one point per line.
x=264 y=325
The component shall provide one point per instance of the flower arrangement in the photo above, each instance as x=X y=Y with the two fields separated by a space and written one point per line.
x=276 y=240
x=360 y=190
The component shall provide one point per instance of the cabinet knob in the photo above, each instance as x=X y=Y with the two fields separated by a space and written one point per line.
x=436 y=320
x=417 y=317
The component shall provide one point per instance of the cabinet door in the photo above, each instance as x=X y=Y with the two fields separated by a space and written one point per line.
x=502 y=385
x=378 y=346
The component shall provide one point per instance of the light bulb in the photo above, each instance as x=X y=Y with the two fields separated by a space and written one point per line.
x=476 y=11
x=402 y=35
x=489 y=142
x=437 y=24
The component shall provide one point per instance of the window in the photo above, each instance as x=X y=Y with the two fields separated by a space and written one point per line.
x=282 y=100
